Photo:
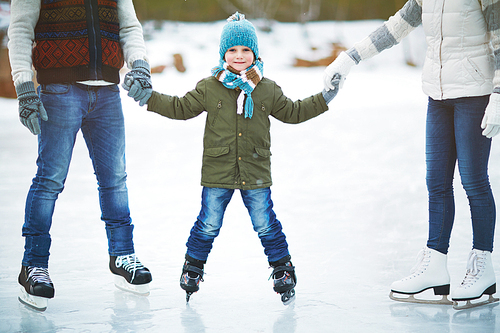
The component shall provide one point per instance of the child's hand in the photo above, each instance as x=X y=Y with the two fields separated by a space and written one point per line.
x=341 y=66
x=328 y=95
x=127 y=82
x=138 y=82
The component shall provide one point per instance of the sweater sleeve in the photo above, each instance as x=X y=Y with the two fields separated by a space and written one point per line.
x=180 y=108
x=131 y=34
x=390 y=33
x=23 y=19
x=491 y=12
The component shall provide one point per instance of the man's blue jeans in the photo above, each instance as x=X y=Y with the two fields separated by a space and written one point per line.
x=260 y=207
x=98 y=113
x=454 y=134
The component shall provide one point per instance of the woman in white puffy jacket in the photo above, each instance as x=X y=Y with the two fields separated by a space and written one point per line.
x=461 y=76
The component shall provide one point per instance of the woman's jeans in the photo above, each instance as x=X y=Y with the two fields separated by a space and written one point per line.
x=98 y=113
x=454 y=134
x=260 y=207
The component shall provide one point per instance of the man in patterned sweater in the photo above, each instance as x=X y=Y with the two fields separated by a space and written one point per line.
x=77 y=48
x=461 y=76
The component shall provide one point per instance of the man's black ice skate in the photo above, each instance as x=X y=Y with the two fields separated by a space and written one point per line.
x=192 y=275
x=36 y=287
x=284 y=281
x=130 y=274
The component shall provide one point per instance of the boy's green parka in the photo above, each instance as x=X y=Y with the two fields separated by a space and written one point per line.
x=236 y=152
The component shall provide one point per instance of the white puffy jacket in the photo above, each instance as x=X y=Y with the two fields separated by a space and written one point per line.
x=459 y=60
x=463 y=44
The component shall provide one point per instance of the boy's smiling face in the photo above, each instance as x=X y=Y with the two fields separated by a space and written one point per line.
x=239 y=57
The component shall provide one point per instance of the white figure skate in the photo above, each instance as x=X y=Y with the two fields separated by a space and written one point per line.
x=479 y=280
x=429 y=272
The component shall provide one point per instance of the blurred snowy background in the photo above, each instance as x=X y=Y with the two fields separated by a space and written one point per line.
x=349 y=189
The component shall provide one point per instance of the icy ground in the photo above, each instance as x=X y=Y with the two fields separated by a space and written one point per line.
x=349 y=188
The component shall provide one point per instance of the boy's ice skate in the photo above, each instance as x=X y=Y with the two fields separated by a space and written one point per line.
x=130 y=274
x=479 y=280
x=191 y=277
x=430 y=272
x=284 y=281
x=36 y=287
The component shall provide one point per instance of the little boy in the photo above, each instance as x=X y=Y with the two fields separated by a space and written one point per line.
x=238 y=101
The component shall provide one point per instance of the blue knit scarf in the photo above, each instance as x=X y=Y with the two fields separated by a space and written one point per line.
x=246 y=80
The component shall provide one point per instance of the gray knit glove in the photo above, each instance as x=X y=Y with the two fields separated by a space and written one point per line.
x=138 y=82
x=328 y=95
x=30 y=107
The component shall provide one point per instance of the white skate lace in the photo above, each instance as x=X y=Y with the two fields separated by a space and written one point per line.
x=39 y=275
x=130 y=263
x=422 y=255
x=474 y=265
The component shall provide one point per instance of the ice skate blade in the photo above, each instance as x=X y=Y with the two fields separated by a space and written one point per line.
x=411 y=299
x=469 y=305
x=138 y=289
x=34 y=302
x=288 y=297
x=188 y=295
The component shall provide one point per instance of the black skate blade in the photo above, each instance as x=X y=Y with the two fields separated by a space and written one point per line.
x=288 y=297
x=188 y=295
x=469 y=305
x=411 y=299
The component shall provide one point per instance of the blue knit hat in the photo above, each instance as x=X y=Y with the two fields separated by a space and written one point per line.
x=238 y=31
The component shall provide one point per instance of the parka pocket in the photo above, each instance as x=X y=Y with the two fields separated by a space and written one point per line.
x=216 y=151
x=213 y=114
x=473 y=70
x=262 y=152
x=265 y=109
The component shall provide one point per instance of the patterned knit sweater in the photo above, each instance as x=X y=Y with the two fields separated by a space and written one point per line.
x=77 y=40
x=73 y=40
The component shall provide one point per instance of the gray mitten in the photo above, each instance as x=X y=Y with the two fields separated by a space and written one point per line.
x=328 y=95
x=30 y=107
x=138 y=82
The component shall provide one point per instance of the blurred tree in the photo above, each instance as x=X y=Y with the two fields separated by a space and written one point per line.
x=265 y=9
x=280 y=10
x=309 y=10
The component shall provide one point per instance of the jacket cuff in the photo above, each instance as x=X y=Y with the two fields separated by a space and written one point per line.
x=322 y=102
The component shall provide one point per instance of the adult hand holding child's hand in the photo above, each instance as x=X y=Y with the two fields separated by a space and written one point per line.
x=138 y=82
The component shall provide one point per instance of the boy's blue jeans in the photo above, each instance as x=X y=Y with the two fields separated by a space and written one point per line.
x=98 y=113
x=260 y=207
x=454 y=134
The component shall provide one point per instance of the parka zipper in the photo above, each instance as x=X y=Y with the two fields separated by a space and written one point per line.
x=441 y=48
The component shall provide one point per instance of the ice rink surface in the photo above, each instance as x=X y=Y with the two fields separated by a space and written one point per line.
x=349 y=189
